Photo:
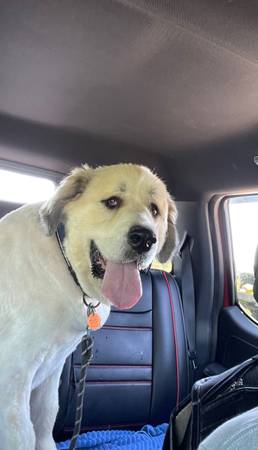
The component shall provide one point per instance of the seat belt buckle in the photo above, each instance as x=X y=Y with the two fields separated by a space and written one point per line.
x=193 y=358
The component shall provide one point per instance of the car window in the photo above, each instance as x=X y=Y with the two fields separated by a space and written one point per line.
x=167 y=267
x=243 y=215
x=16 y=187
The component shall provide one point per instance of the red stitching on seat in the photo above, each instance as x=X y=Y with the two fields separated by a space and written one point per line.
x=175 y=335
x=117 y=366
x=121 y=382
x=125 y=328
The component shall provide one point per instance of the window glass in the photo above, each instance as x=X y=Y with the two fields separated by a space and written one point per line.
x=243 y=214
x=167 y=267
x=21 y=188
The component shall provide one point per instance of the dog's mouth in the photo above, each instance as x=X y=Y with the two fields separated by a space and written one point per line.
x=121 y=283
x=98 y=263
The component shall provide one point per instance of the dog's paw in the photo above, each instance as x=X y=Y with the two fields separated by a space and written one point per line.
x=45 y=444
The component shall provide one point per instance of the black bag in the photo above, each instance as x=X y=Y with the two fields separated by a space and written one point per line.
x=213 y=401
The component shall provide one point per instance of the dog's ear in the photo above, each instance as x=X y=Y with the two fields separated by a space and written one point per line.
x=171 y=237
x=51 y=212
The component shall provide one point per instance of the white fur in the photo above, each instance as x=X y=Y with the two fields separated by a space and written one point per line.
x=42 y=316
x=42 y=320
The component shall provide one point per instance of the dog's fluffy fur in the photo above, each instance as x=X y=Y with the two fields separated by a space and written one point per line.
x=42 y=316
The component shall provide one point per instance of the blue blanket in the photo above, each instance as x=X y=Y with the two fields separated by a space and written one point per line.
x=148 y=438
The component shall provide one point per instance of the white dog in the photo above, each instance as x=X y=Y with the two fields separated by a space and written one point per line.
x=116 y=219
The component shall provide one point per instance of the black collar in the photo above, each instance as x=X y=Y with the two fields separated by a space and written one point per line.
x=60 y=235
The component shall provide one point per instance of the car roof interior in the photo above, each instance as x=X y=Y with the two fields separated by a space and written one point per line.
x=171 y=84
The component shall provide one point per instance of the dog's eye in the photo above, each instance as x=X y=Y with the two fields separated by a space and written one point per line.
x=112 y=202
x=154 y=209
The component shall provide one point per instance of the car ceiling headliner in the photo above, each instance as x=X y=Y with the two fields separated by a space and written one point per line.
x=173 y=84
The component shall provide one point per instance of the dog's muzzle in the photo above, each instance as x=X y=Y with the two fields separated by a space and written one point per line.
x=141 y=239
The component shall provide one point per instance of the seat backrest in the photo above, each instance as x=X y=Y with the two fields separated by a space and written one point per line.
x=140 y=367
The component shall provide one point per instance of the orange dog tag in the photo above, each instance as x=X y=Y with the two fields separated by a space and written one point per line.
x=94 y=321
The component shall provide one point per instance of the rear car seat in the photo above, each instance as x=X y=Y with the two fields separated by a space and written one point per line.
x=139 y=371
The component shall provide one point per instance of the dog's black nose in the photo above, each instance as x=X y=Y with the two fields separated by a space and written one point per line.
x=141 y=239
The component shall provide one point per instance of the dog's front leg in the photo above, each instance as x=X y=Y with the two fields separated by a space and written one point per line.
x=16 y=429
x=44 y=408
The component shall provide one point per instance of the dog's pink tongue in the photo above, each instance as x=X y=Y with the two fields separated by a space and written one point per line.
x=122 y=284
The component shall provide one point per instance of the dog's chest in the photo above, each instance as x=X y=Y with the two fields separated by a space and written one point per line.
x=61 y=346
x=54 y=357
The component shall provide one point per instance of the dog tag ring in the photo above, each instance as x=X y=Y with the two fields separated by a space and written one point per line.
x=94 y=319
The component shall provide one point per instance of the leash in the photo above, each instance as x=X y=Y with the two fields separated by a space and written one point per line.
x=86 y=357
x=93 y=322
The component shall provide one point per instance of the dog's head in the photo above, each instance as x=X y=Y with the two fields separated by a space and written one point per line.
x=117 y=220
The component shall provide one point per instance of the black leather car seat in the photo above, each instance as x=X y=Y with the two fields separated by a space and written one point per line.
x=140 y=367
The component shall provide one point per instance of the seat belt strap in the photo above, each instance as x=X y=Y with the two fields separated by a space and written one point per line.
x=188 y=296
